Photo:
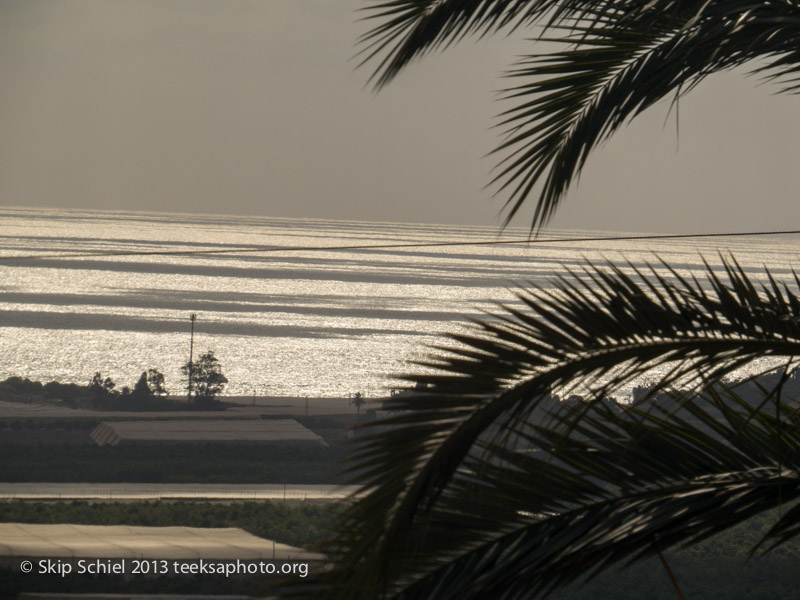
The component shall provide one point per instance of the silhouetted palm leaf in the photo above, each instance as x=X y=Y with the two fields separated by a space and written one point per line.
x=616 y=59
x=481 y=486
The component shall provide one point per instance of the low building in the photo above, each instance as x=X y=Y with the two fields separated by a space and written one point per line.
x=248 y=431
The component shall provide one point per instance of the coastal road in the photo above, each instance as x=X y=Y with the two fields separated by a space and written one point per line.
x=171 y=491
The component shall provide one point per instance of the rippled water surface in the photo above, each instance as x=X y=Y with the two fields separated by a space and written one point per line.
x=287 y=322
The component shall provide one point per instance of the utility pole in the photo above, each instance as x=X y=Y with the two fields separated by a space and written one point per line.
x=192 y=318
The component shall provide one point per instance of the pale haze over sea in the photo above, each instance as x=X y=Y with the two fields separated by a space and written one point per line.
x=285 y=323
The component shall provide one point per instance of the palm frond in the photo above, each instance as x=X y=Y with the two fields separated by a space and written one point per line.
x=483 y=486
x=411 y=28
x=615 y=60
x=576 y=98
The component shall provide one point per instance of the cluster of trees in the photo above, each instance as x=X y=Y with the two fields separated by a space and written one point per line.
x=22 y=388
x=205 y=377
x=150 y=383
x=147 y=394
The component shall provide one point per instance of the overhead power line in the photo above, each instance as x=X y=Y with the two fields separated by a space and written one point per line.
x=394 y=246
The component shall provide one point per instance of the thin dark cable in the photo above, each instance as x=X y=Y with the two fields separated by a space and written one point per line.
x=668 y=236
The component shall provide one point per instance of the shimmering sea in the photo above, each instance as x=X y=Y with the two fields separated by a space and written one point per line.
x=283 y=321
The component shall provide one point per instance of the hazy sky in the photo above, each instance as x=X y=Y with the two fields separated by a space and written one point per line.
x=255 y=107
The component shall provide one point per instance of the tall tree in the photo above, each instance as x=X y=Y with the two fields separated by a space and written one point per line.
x=358 y=401
x=155 y=381
x=206 y=376
x=141 y=389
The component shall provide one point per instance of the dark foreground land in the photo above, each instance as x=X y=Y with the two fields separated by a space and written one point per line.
x=298 y=524
x=719 y=568
x=55 y=450
x=59 y=451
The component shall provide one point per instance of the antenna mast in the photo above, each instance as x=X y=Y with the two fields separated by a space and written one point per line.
x=192 y=318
